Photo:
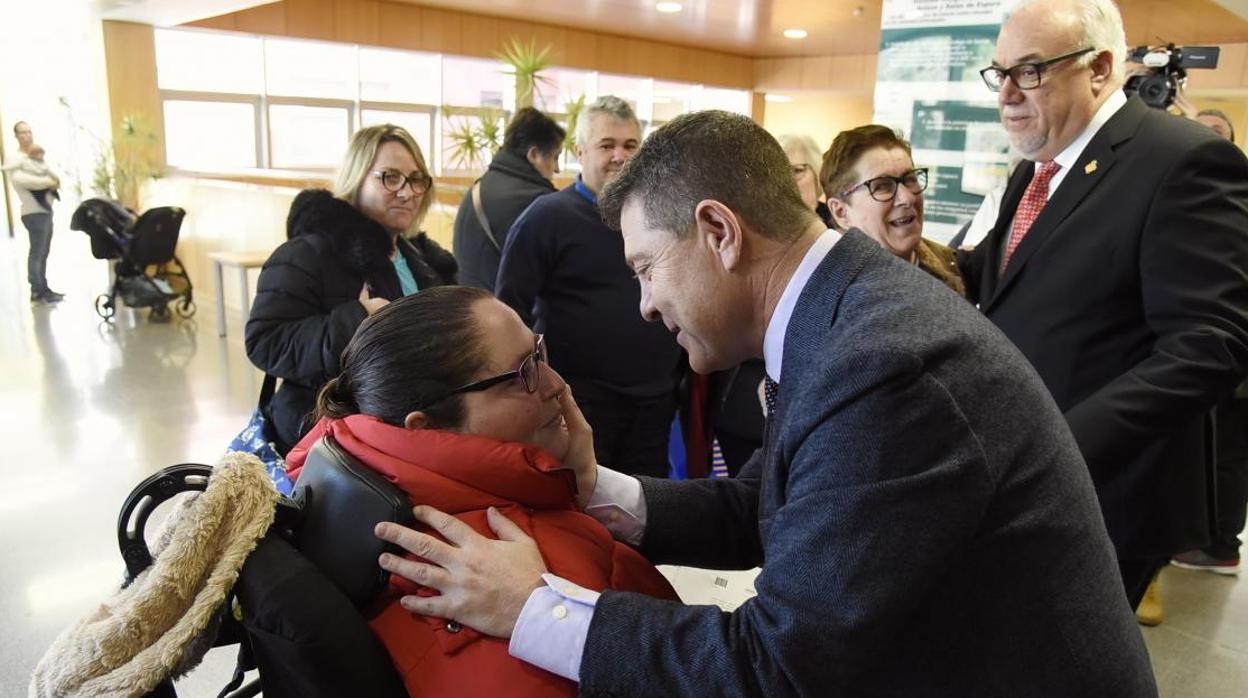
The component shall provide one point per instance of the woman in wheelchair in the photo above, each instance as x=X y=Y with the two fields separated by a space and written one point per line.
x=448 y=395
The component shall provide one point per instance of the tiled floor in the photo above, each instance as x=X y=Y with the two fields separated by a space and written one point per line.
x=90 y=409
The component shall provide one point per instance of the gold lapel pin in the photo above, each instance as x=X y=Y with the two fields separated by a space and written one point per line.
x=1090 y=167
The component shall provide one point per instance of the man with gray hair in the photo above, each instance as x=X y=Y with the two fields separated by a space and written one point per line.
x=1116 y=265
x=563 y=271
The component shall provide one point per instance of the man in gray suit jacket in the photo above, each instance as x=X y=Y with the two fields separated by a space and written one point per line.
x=923 y=519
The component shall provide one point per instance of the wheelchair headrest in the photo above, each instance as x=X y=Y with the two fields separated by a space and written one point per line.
x=342 y=501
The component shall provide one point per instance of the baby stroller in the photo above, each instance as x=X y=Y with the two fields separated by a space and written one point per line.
x=294 y=610
x=134 y=245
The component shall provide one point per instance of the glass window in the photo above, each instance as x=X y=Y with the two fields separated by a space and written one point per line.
x=469 y=140
x=210 y=135
x=470 y=82
x=399 y=76
x=310 y=69
x=418 y=123
x=737 y=101
x=671 y=99
x=638 y=92
x=303 y=137
x=235 y=66
x=561 y=86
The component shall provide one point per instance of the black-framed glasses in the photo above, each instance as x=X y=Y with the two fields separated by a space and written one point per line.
x=529 y=374
x=1026 y=76
x=884 y=188
x=394 y=181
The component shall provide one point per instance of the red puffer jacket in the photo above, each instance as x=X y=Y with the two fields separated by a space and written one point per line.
x=464 y=475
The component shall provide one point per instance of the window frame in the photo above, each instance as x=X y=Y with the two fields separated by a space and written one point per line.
x=356 y=105
x=353 y=120
x=259 y=117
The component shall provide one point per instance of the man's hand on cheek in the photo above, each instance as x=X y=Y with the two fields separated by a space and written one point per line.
x=483 y=583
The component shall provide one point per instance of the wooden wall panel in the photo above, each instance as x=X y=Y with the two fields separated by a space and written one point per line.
x=310 y=19
x=833 y=74
x=400 y=26
x=479 y=30
x=580 y=49
x=440 y=31
x=609 y=54
x=413 y=27
x=265 y=19
x=667 y=58
x=130 y=59
x=356 y=21
x=224 y=23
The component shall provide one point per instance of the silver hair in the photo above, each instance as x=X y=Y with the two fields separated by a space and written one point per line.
x=1101 y=28
x=609 y=105
x=808 y=149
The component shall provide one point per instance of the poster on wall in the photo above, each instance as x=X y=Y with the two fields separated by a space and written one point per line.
x=928 y=87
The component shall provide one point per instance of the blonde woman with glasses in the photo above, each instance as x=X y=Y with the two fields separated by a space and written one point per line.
x=348 y=252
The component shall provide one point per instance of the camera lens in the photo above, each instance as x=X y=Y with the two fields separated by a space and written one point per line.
x=1158 y=91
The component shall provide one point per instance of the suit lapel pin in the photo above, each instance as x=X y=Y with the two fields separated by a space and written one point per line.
x=1089 y=168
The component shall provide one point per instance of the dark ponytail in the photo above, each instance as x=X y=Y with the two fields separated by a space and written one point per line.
x=406 y=356
x=334 y=401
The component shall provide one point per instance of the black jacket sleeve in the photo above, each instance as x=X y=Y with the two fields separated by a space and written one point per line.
x=294 y=331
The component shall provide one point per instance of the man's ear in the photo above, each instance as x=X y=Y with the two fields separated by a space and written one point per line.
x=1102 y=69
x=416 y=420
x=719 y=228
x=840 y=213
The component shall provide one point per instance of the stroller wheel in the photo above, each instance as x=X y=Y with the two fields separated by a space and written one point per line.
x=104 y=306
x=186 y=308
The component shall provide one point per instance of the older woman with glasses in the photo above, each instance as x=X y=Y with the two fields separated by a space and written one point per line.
x=348 y=252
x=448 y=395
x=803 y=154
x=873 y=185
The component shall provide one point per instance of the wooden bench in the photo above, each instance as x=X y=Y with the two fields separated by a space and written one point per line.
x=242 y=261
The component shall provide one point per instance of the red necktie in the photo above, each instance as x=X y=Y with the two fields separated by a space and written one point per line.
x=1029 y=208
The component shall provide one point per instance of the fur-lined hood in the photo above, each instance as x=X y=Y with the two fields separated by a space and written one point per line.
x=361 y=243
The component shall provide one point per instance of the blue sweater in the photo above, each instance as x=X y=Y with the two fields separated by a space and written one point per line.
x=563 y=271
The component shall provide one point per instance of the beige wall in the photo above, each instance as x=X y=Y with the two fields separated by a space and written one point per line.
x=819 y=116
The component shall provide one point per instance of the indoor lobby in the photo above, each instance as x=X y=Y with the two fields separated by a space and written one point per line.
x=228 y=108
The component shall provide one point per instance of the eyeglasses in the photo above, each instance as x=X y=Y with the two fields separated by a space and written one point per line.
x=799 y=170
x=529 y=374
x=394 y=181
x=884 y=189
x=1026 y=76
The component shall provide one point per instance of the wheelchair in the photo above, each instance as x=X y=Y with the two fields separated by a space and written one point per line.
x=295 y=610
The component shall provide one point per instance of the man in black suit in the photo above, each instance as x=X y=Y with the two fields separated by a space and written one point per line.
x=923 y=519
x=1117 y=266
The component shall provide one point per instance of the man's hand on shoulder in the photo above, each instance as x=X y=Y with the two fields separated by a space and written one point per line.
x=483 y=583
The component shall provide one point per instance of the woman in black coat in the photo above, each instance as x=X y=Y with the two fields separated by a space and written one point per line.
x=520 y=172
x=347 y=254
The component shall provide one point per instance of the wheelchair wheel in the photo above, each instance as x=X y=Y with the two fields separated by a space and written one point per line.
x=185 y=309
x=104 y=306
